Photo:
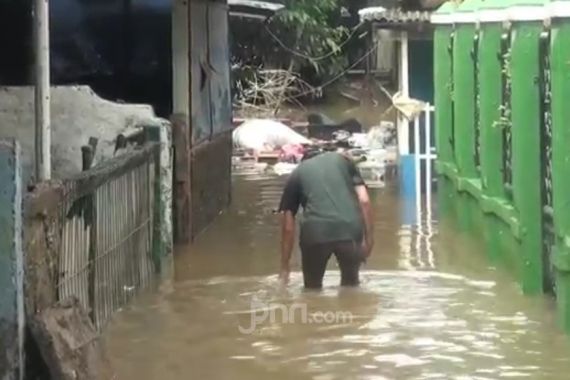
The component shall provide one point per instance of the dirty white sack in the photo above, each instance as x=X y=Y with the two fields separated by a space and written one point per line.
x=382 y=136
x=410 y=108
x=358 y=140
x=284 y=168
x=263 y=135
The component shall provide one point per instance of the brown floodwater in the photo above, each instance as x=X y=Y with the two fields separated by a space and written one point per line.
x=429 y=307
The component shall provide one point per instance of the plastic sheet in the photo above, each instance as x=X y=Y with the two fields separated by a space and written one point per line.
x=266 y=135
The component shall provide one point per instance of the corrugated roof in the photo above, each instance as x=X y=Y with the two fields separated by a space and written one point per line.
x=253 y=8
x=394 y=16
x=255 y=4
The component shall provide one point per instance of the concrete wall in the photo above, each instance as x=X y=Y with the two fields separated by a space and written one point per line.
x=77 y=114
x=11 y=264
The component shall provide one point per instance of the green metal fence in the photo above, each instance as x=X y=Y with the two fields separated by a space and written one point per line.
x=502 y=83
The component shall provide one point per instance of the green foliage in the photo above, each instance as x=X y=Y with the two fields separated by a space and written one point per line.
x=312 y=34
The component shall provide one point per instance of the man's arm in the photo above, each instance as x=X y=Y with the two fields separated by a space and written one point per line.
x=287 y=241
x=365 y=205
x=366 y=209
x=289 y=206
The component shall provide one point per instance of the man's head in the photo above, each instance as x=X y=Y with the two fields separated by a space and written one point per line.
x=310 y=153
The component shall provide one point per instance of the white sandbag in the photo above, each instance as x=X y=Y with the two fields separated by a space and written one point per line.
x=263 y=135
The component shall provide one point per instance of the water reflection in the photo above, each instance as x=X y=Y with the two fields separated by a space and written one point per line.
x=428 y=308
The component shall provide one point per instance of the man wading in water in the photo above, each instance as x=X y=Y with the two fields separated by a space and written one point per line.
x=337 y=218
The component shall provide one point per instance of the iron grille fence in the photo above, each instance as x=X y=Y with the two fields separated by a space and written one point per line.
x=476 y=102
x=109 y=232
x=546 y=162
x=451 y=91
x=506 y=122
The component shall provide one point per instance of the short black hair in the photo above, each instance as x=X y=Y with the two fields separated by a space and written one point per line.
x=310 y=153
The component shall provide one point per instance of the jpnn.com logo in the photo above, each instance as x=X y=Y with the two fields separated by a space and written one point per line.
x=296 y=313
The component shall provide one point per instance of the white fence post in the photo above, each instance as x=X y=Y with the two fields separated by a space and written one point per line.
x=417 y=165
x=427 y=157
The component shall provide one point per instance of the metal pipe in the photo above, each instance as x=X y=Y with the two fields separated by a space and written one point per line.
x=42 y=92
x=418 y=166
x=427 y=133
x=404 y=89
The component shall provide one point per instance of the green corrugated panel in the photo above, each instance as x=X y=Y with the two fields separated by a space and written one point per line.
x=442 y=88
x=526 y=122
x=463 y=96
x=560 y=69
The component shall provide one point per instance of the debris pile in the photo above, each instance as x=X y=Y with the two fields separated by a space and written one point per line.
x=262 y=93
x=267 y=145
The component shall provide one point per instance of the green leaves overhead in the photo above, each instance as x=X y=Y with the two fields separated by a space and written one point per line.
x=311 y=34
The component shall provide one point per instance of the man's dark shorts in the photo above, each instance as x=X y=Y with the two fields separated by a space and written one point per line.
x=315 y=257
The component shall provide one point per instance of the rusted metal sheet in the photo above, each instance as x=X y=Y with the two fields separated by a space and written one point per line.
x=211 y=180
x=254 y=9
x=394 y=16
x=218 y=34
x=201 y=72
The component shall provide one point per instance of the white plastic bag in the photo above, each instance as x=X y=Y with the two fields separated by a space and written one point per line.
x=265 y=135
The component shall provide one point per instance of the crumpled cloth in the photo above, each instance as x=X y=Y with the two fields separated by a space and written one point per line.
x=292 y=153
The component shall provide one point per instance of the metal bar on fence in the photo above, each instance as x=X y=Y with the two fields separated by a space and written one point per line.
x=111 y=221
x=417 y=160
x=427 y=140
x=93 y=240
x=423 y=160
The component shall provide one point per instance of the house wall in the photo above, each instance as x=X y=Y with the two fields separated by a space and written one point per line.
x=211 y=112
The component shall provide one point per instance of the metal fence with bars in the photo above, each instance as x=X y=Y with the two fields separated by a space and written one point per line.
x=424 y=156
x=110 y=234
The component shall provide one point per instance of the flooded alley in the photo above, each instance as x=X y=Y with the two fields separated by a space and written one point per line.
x=429 y=308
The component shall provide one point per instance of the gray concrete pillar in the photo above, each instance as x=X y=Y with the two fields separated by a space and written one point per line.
x=11 y=264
